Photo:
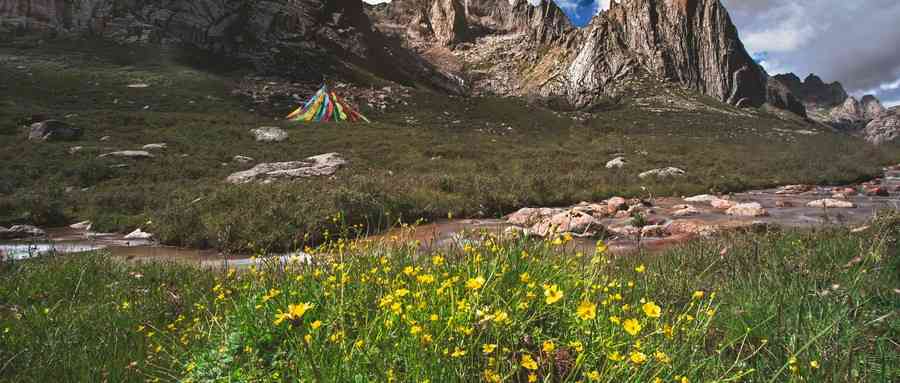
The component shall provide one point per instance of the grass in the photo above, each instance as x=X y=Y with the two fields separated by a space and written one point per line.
x=473 y=157
x=789 y=306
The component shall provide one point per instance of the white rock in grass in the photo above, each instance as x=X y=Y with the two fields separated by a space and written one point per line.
x=830 y=203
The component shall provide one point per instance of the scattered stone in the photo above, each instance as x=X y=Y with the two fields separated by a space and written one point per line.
x=654 y=231
x=860 y=229
x=751 y=209
x=783 y=204
x=138 y=86
x=839 y=196
x=663 y=173
x=845 y=190
x=702 y=198
x=53 y=130
x=622 y=214
x=242 y=159
x=722 y=203
x=83 y=225
x=571 y=221
x=624 y=231
x=75 y=149
x=21 y=231
x=315 y=166
x=794 y=189
x=877 y=192
x=138 y=234
x=531 y=216
x=133 y=154
x=616 y=163
x=269 y=134
x=831 y=203
x=104 y=138
x=693 y=227
x=686 y=212
x=615 y=204
x=158 y=146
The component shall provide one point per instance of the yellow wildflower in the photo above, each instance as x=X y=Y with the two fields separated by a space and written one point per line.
x=587 y=311
x=488 y=348
x=814 y=364
x=593 y=376
x=638 y=357
x=425 y=279
x=552 y=294
x=532 y=378
x=524 y=277
x=548 y=346
x=315 y=325
x=641 y=268
x=652 y=310
x=577 y=346
x=662 y=357
x=698 y=294
x=475 y=283
x=458 y=353
x=632 y=326
x=601 y=248
x=528 y=362
x=615 y=357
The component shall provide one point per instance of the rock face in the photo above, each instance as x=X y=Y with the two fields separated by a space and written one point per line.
x=315 y=166
x=828 y=103
x=692 y=42
x=53 y=130
x=780 y=96
x=448 y=21
x=884 y=129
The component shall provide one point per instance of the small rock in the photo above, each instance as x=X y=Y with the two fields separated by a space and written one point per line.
x=722 y=203
x=654 y=231
x=831 y=203
x=663 y=173
x=21 y=231
x=751 y=209
x=53 y=130
x=134 y=154
x=138 y=86
x=616 y=163
x=622 y=214
x=83 y=225
x=615 y=204
x=269 y=134
x=624 y=231
x=158 y=146
x=138 y=234
x=783 y=204
x=75 y=149
x=686 y=212
x=877 y=192
x=104 y=138
x=794 y=189
x=702 y=198
x=242 y=159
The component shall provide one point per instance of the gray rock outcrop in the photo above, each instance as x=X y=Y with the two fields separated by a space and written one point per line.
x=315 y=166
x=53 y=130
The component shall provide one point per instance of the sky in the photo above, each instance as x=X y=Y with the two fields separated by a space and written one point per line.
x=851 y=41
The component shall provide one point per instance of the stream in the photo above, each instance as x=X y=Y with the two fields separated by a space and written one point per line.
x=787 y=210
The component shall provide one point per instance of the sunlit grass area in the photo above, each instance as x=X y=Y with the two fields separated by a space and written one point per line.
x=755 y=307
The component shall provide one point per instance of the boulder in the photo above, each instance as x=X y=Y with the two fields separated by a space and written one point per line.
x=315 y=166
x=133 y=154
x=831 y=203
x=883 y=129
x=53 y=130
x=662 y=173
x=616 y=163
x=783 y=204
x=83 y=225
x=624 y=231
x=693 y=227
x=654 y=231
x=615 y=204
x=794 y=189
x=722 y=203
x=159 y=146
x=571 y=221
x=448 y=21
x=21 y=231
x=686 y=212
x=138 y=234
x=702 y=198
x=269 y=134
x=527 y=217
x=242 y=159
x=750 y=209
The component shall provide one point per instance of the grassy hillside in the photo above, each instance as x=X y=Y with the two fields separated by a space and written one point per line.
x=769 y=307
x=432 y=156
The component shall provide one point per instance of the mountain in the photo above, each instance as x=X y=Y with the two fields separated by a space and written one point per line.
x=829 y=102
x=522 y=50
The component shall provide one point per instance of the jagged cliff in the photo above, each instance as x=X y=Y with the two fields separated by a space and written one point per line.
x=829 y=102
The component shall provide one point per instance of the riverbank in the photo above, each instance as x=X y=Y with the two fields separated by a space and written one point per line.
x=811 y=305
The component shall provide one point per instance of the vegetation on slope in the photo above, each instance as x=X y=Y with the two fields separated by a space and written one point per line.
x=767 y=307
